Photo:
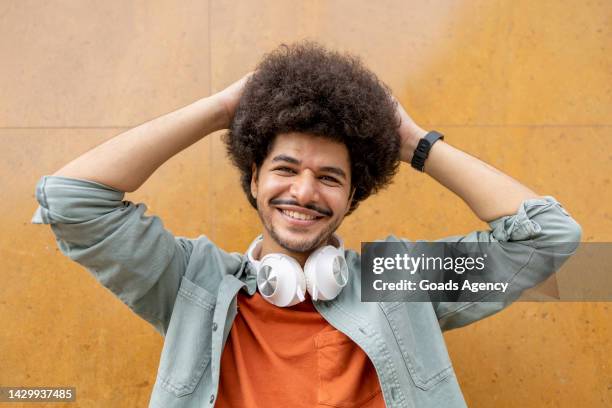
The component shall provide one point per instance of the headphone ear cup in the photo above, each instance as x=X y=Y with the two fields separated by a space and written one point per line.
x=326 y=273
x=309 y=282
x=310 y=275
x=280 y=280
x=302 y=284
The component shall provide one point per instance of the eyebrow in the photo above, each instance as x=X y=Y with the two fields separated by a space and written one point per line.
x=329 y=169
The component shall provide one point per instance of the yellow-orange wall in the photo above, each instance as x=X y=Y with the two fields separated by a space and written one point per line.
x=524 y=85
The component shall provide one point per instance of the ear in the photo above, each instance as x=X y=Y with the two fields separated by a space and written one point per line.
x=254 y=181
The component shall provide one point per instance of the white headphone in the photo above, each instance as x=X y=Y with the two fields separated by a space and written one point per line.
x=282 y=282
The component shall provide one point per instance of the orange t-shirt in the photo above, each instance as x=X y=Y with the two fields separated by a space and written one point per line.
x=291 y=357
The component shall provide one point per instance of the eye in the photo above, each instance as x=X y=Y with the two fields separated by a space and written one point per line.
x=285 y=170
x=330 y=179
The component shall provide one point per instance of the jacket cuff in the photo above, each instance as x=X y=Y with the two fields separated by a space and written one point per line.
x=70 y=200
x=524 y=225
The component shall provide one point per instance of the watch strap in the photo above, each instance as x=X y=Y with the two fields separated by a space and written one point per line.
x=423 y=147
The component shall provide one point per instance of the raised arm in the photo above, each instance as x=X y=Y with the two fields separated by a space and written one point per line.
x=530 y=236
x=128 y=252
x=487 y=191
x=126 y=161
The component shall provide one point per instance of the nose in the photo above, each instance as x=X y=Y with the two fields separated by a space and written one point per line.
x=304 y=188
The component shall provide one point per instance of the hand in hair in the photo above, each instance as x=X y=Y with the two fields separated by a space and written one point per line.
x=410 y=132
x=230 y=96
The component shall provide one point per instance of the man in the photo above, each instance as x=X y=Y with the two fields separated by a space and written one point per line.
x=313 y=134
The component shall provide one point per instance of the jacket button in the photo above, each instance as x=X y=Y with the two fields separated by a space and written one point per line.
x=214 y=327
x=212 y=398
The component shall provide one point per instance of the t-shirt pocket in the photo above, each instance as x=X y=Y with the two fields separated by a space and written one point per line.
x=347 y=377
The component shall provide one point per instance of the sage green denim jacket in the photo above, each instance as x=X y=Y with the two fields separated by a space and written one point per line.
x=186 y=288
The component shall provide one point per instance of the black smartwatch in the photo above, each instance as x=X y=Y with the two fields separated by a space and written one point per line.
x=422 y=150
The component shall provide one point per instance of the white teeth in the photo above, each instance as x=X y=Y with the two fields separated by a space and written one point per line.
x=298 y=216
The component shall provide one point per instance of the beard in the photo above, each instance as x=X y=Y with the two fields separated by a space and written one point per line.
x=300 y=245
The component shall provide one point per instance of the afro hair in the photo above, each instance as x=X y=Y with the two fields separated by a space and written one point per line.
x=306 y=88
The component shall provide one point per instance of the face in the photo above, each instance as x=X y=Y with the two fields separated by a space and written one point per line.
x=303 y=191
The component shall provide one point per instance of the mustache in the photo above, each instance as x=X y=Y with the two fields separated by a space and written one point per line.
x=323 y=211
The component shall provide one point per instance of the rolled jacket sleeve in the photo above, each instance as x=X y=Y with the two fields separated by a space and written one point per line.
x=527 y=248
x=131 y=254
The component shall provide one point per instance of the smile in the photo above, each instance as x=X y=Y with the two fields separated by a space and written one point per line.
x=296 y=217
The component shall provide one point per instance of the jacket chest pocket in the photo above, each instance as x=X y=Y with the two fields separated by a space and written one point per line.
x=187 y=346
x=419 y=338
